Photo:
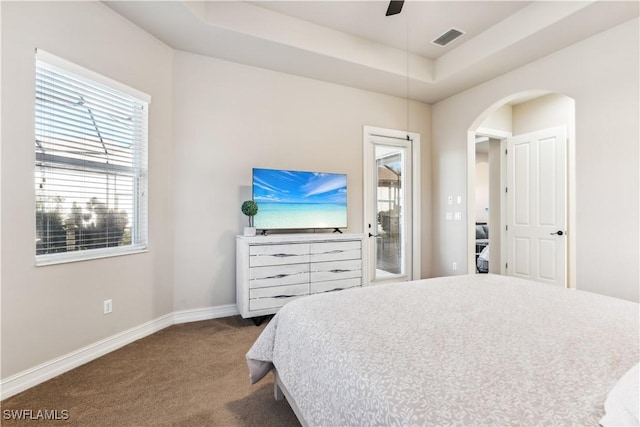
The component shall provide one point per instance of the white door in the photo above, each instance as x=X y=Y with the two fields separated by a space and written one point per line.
x=536 y=206
x=388 y=206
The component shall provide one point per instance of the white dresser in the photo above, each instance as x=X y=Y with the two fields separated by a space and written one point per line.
x=273 y=270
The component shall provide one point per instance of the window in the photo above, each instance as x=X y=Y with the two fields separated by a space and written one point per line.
x=91 y=164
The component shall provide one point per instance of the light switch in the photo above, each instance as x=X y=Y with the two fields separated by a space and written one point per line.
x=459 y=200
x=458 y=216
x=450 y=200
x=449 y=216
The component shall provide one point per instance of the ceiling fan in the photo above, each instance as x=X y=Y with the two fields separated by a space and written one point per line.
x=395 y=7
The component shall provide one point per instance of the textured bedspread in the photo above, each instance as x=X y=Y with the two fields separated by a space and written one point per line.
x=465 y=350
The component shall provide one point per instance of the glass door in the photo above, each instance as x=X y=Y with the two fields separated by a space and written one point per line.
x=389 y=210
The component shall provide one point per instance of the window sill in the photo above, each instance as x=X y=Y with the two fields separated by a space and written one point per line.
x=67 y=257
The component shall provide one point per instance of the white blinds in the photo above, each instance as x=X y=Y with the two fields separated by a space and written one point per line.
x=91 y=161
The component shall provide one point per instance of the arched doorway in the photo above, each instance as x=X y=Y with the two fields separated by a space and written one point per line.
x=502 y=123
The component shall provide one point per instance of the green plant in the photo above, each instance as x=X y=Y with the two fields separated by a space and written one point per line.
x=249 y=208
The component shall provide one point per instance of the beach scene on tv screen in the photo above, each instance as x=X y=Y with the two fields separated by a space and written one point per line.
x=297 y=199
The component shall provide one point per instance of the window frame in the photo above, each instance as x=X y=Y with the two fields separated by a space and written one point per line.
x=139 y=215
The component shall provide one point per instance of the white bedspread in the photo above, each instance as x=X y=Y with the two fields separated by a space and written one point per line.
x=465 y=350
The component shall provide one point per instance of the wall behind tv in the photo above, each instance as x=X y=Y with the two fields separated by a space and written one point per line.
x=229 y=118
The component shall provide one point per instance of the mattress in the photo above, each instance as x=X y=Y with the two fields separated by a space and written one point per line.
x=464 y=350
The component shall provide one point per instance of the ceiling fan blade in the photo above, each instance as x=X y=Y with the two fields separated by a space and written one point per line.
x=395 y=7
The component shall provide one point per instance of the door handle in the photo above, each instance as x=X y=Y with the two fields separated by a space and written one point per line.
x=559 y=233
x=373 y=235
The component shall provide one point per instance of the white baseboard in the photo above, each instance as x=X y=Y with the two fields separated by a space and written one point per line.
x=197 y=314
x=45 y=371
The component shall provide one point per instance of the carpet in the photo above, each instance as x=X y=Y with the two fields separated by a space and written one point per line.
x=193 y=374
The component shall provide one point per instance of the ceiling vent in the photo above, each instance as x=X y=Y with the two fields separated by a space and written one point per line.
x=448 y=37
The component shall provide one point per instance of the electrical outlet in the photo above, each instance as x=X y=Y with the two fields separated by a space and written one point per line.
x=454 y=266
x=108 y=306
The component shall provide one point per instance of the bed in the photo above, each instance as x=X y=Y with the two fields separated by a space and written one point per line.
x=465 y=350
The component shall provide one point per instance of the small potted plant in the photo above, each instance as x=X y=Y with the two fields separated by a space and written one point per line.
x=249 y=208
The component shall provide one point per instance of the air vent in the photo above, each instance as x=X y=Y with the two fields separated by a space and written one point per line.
x=448 y=37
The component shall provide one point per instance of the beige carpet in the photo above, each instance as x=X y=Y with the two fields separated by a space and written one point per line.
x=192 y=374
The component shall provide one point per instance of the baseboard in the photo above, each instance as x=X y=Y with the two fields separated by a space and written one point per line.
x=31 y=377
x=195 y=315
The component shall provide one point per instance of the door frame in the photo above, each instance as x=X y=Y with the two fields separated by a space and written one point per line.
x=367 y=176
x=471 y=199
x=471 y=202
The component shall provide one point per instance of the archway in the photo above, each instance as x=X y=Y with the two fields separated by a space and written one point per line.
x=514 y=115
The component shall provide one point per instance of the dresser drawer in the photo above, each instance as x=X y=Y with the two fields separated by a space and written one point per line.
x=275 y=297
x=278 y=275
x=334 y=285
x=332 y=251
x=334 y=270
x=279 y=291
x=260 y=255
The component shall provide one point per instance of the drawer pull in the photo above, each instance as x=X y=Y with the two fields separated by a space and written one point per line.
x=337 y=270
x=282 y=275
x=335 y=251
x=279 y=276
x=278 y=255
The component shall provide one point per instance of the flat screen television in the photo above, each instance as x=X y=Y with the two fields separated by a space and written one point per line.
x=289 y=199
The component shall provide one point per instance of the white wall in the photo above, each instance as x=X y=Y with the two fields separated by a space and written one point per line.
x=229 y=118
x=52 y=310
x=542 y=113
x=499 y=120
x=601 y=75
